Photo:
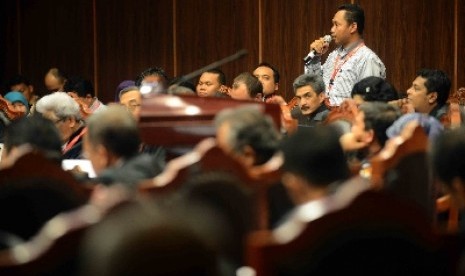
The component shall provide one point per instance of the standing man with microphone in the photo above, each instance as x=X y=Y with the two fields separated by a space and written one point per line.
x=350 y=62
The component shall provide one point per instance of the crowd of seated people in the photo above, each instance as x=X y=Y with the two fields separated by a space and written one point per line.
x=207 y=221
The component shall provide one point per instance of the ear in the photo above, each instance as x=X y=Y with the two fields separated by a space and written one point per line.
x=72 y=121
x=321 y=97
x=458 y=191
x=248 y=156
x=353 y=27
x=276 y=86
x=432 y=97
x=369 y=136
x=295 y=186
x=259 y=97
x=105 y=159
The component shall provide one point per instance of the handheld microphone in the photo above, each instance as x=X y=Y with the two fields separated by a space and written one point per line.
x=312 y=54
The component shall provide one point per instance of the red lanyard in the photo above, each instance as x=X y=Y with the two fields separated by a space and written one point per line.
x=338 y=65
x=74 y=141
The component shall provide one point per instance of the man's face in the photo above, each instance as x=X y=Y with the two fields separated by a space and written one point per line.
x=341 y=30
x=27 y=90
x=153 y=79
x=52 y=83
x=64 y=125
x=239 y=91
x=309 y=100
x=247 y=159
x=208 y=85
x=266 y=77
x=20 y=107
x=132 y=100
x=419 y=97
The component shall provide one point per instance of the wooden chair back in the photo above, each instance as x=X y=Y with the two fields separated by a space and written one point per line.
x=445 y=206
x=54 y=249
x=397 y=168
x=376 y=228
x=207 y=156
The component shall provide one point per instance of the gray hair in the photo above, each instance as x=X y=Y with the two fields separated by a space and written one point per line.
x=60 y=103
x=314 y=81
x=249 y=126
x=116 y=129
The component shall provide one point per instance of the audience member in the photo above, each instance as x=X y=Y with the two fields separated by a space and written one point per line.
x=314 y=164
x=123 y=85
x=246 y=87
x=310 y=92
x=22 y=84
x=430 y=125
x=33 y=187
x=112 y=145
x=152 y=80
x=368 y=133
x=35 y=132
x=211 y=83
x=83 y=89
x=374 y=89
x=429 y=93
x=351 y=61
x=252 y=138
x=18 y=102
x=55 y=80
x=268 y=75
x=230 y=201
x=342 y=221
x=65 y=113
x=247 y=134
x=449 y=170
x=131 y=98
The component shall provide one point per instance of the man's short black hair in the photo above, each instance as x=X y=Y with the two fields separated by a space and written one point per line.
x=36 y=131
x=375 y=89
x=80 y=86
x=156 y=71
x=354 y=14
x=221 y=75
x=316 y=155
x=436 y=81
x=275 y=71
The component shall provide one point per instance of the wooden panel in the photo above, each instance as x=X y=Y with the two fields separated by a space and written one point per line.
x=210 y=30
x=8 y=41
x=288 y=29
x=461 y=43
x=409 y=35
x=132 y=35
x=56 y=33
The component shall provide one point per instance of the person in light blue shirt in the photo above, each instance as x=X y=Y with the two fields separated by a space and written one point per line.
x=351 y=61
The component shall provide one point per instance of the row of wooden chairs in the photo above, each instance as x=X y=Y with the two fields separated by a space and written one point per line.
x=46 y=250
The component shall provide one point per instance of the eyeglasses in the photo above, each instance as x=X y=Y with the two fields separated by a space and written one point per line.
x=131 y=106
x=59 y=120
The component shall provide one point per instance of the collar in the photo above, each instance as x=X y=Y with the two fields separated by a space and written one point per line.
x=344 y=51
x=344 y=193
x=317 y=115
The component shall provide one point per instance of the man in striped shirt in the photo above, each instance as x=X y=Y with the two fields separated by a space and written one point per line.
x=351 y=61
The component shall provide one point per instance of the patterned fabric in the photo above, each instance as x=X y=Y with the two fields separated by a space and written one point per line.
x=355 y=63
